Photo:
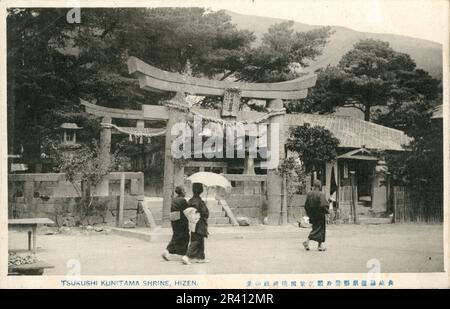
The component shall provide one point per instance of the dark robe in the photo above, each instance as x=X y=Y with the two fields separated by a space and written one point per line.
x=180 y=238
x=196 y=248
x=316 y=208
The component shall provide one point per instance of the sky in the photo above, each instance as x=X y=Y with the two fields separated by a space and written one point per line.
x=425 y=19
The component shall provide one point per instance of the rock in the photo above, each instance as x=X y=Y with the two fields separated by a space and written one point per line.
x=84 y=222
x=49 y=231
x=304 y=222
x=265 y=221
x=243 y=221
x=68 y=221
x=65 y=230
x=98 y=229
x=128 y=224
x=89 y=228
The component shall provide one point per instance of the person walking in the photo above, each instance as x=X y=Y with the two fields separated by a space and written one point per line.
x=180 y=226
x=196 y=249
x=316 y=208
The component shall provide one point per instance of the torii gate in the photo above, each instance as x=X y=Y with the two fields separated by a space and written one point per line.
x=156 y=80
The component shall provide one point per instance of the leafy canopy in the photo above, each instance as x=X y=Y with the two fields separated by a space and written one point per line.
x=314 y=145
x=372 y=78
x=51 y=63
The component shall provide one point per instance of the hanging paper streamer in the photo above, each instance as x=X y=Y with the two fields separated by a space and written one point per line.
x=269 y=114
x=130 y=138
x=140 y=139
x=133 y=133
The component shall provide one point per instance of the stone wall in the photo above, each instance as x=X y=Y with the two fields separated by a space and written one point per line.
x=246 y=205
x=296 y=208
x=49 y=195
x=65 y=211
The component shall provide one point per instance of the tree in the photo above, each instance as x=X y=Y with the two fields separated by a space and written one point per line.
x=38 y=82
x=84 y=166
x=420 y=167
x=51 y=63
x=371 y=77
x=314 y=145
x=282 y=50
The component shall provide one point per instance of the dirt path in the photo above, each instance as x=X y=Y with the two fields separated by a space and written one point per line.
x=398 y=248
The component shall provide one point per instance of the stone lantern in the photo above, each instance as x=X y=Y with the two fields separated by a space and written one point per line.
x=69 y=134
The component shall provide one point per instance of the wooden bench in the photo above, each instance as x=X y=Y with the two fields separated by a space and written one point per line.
x=35 y=269
x=30 y=226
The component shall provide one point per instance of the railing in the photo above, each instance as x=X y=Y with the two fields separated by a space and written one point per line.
x=247 y=184
x=55 y=184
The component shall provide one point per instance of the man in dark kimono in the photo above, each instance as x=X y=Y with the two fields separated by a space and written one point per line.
x=316 y=207
x=196 y=249
x=180 y=226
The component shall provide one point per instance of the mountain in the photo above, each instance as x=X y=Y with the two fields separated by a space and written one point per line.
x=426 y=54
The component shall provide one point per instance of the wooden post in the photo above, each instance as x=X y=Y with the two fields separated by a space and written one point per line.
x=141 y=187
x=34 y=230
x=353 y=205
x=29 y=240
x=284 y=206
x=121 y=205
x=139 y=183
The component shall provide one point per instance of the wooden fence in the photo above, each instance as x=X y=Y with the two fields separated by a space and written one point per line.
x=345 y=194
x=409 y=207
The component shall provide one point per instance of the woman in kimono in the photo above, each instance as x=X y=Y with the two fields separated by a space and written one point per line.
x=180 y=226
x=316 y=208
x=196 y=249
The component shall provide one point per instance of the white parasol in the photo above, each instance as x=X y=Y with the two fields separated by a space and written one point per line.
x=210 y=180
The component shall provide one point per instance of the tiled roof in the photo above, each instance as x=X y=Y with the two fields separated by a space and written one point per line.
x=352 y=132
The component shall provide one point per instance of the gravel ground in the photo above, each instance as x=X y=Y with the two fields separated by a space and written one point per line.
x=398 y=248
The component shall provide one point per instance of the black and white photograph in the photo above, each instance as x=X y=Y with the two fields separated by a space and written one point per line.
x=217 y=144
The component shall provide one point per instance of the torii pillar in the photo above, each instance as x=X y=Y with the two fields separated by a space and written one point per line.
x=154 y=79
x=274 y=179
x=102 y=189
x=173 y=174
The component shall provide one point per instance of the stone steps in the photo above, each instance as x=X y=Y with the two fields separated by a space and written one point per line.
x=370 y=220
x=361 y=210
x=217 y=216
x=219 y=220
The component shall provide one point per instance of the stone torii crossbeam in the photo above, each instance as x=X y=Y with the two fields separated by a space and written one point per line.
x=156 y=80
